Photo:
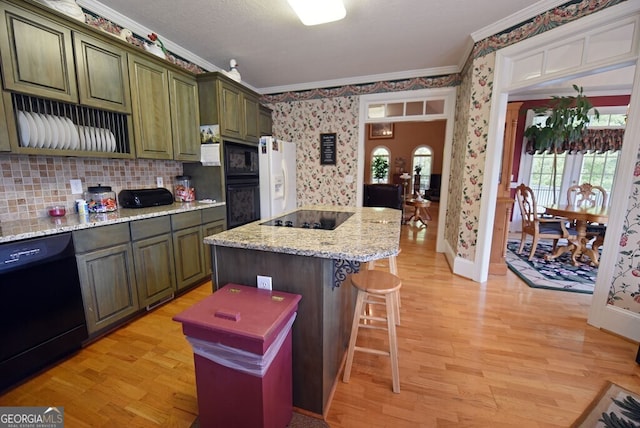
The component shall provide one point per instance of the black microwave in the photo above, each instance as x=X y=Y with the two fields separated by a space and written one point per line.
x=240 y=160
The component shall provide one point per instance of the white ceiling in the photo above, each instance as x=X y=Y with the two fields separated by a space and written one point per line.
x=378 y=39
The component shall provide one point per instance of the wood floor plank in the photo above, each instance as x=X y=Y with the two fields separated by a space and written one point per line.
x=497 y=354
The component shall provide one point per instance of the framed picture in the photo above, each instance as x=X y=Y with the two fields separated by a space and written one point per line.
x=380 y=130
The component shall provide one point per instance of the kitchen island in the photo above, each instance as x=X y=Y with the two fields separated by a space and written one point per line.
x=312 y=263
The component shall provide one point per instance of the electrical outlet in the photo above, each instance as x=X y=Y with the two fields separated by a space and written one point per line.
x=76 y=187
x=264 y=282
x=159 y=182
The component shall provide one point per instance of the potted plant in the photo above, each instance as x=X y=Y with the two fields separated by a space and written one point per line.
x=567 y=121
x=380 y=167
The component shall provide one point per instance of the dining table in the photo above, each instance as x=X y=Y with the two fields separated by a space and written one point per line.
x=581 y=216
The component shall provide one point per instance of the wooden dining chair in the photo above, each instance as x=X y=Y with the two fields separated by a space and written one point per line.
x=590 y=196
x=535 y=225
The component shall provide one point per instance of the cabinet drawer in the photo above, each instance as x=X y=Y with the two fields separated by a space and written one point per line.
x=183 y=220
x=213 y=214
x=141 y=229
x=100 y=237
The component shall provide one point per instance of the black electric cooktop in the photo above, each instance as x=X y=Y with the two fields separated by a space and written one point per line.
x=310 y=219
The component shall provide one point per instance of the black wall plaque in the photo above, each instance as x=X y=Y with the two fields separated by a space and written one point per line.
x=328 y=149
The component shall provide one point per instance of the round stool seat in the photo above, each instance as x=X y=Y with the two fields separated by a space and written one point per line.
x=376 y=281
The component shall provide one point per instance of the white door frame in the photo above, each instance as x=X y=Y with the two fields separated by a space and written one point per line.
x=625 y=323
x=449 y=95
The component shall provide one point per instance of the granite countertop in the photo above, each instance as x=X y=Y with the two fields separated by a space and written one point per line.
x=369 y=234
x=33 y=228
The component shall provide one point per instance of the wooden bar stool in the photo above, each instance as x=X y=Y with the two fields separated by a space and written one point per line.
x=393 y=268
x=383 y=284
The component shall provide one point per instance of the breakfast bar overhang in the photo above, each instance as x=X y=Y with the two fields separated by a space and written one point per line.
x=313 y=263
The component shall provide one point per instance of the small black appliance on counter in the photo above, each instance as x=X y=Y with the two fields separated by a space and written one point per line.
x=144 y=198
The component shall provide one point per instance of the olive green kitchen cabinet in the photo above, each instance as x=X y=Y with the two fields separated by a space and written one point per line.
x=229 y=104
x=151 y=110
x=5 y=145
x=37 y=55
x=183 y=94
x=153 y=260
x=265 y=121
x=103 y=76
x=213 y=221
x=106 y=270
x=188 y=248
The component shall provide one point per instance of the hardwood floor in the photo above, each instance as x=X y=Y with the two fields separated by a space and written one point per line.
x=498 y=354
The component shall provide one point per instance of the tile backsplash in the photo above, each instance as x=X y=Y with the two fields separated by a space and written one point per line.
x=30 y=184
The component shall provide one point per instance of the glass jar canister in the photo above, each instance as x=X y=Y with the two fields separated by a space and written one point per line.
x=183 y=190
x=100 y=199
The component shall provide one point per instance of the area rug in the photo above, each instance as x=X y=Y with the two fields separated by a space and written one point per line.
x=298 y=420
x=613 y=407
x=557 y=274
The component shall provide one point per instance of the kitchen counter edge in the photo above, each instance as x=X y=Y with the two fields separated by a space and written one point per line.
x=38 y=227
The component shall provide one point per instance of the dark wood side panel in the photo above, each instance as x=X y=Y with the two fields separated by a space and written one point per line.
x=323 y=320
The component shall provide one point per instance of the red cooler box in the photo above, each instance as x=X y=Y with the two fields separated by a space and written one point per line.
x=241 y=339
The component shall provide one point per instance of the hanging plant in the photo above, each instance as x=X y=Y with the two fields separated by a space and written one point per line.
x=567 y=122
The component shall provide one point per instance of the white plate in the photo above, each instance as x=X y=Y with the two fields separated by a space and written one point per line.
x=40 y=130
x=33 y=130
x=63 y=132
x=46 y=130
x=55 y=132
x=90 y=135
x=74 y=137
x=83 y=138
x=112 y=141
x=23 y=126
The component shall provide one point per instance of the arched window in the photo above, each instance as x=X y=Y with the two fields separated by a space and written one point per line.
x=422 y=156
x=383 y=153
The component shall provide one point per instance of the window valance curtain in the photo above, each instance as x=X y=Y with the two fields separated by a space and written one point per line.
x=594 y=140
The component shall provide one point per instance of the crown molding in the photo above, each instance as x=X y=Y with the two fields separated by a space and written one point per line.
x=118 y=18
x=357 y=80
x=516 y=18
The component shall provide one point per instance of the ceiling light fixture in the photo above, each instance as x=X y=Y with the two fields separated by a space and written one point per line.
x=314 y=12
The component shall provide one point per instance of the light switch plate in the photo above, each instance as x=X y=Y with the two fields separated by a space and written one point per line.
x=76 y=186
x=159 y=182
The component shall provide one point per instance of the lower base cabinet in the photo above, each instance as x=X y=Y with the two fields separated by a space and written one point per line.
x=127 y=267
x=153 y=260
x=105 y=266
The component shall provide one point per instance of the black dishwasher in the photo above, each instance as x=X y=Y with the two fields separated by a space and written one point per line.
x=41 y=311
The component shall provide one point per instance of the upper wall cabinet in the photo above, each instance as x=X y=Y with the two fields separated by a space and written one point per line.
x=233 y=106
x=37 y=55
x=151 y=109
x=103 y=79
x=183 y=94
x=265 y=125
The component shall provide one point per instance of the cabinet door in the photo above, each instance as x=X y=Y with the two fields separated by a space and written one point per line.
x=265 y=122
x=108 y=286
x=153 y=261
x=208 y=230
x=150 y=107
x=103 y=77
x=231 y=121
x=189 y=256
x=183 y=94
x=251 y=119
x=37 y=55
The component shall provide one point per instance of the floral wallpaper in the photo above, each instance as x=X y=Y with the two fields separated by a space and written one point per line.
x=302 y=122
x=474 y=108
x=625 y=284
